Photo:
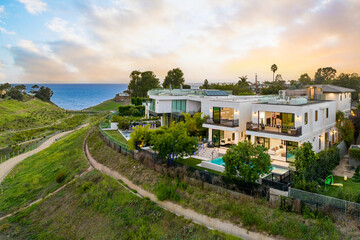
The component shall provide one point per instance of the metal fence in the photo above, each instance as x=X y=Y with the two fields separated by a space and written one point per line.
x=318 y=200
x=114 y=143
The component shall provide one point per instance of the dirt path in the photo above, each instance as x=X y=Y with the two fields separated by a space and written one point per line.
x=8 y=165
x=209 y=222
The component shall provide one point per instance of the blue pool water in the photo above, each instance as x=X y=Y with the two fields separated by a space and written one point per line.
x=277 y=170
x=218 y=161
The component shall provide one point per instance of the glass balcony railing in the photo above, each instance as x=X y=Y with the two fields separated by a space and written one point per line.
x=278 y=129
x=223 y=122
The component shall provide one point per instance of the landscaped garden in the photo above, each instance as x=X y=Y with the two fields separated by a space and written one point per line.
x=350 y=190
x=117 y=135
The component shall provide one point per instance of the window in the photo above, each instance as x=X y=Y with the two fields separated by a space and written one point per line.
x=319 y=89
x=316 y=116
x=306 y=118
x=233 y=136
x=327 y=112
x=319 y=142
x=340 y=97
x=178 y=106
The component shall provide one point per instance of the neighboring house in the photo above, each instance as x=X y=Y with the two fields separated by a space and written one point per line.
x=120 y=97
x=341 y=96
x=282 y=124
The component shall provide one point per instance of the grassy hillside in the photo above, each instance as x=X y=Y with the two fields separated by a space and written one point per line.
x=36 y=176
x=97 y=207
x=92 y=207
x=17 y=115
x=109 y=105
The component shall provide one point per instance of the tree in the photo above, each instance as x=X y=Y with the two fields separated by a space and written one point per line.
x=324 y=75
x=304 y=79
x=347 y=131
x=349 y=81
x=246 y=162
x=272 y=89
x=175 y=78
x=194 y=124
x=274 y=68
x=140 y=137
x=5 y=86
x=21 y=87
x=141 y=83
x=279 y=78
x=175 y=142
x=44 y=94
x=243 y=83
x=206 y=84
x=305 y=158
x=15 y=94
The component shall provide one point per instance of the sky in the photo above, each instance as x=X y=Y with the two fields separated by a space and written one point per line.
x=92 y=41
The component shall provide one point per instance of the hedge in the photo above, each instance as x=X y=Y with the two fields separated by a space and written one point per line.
x=355 y=153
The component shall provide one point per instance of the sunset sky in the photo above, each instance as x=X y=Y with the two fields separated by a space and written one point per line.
x=64 y=41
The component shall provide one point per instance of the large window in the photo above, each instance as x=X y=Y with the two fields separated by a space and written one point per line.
x=178 y=106
x=216 y=114
x=316 y=116
x=327 y=112
x=306 y=119
x=152 y=105
x=287 y=121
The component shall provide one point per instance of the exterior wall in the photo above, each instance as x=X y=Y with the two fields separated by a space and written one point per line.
x=342 y=100
x=193 y=106
x=312 y=131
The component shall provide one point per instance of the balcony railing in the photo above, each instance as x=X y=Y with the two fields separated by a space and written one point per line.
x=278 y=129
x=223 y=122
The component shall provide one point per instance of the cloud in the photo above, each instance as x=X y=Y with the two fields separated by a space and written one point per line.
x=217 y=40
x=28 y=45
x=34 y=6
x=2 y=9
x=4 y=31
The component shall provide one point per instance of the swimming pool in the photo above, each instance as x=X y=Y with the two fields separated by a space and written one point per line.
x=218 y=161
x=274 y=169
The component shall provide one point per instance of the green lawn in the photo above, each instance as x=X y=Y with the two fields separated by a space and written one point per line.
x=35 y=177
x=108 y=105
x=350 y=190
x=118 y=136
x=192 y=162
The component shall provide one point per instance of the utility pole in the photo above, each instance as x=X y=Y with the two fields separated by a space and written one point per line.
x=256 y=84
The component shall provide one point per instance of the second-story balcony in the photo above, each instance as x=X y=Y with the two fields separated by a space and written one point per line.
x=278 y=129
x=223 y=122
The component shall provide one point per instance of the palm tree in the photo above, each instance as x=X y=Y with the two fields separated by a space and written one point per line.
x=274 y=68
x=243 y=81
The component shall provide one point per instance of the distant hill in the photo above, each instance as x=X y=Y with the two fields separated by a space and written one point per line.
x=28 y=114
x=109 y=105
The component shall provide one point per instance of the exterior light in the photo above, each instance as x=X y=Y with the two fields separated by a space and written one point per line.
x=254 y=113
x=297 y=116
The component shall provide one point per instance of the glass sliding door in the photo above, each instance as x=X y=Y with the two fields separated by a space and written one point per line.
x=290 y=147
x=265 y=142
x=287 y=121
x=216 y=114
x=216 y=137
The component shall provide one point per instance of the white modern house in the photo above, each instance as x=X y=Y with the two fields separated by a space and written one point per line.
x=279 y=123
x=282 y=124
x=340 y=95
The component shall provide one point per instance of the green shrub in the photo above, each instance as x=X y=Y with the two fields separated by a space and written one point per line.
x=166 y=191
x=60 y=177
x=130 y=110
x=355 y=153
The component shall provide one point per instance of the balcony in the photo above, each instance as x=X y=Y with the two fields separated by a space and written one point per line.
x=223 y=122
x=279 y=129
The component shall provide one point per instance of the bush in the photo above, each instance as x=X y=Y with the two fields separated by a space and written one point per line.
x=130 y=110
x=167 y=191
x=355 y=153
x=60 y=177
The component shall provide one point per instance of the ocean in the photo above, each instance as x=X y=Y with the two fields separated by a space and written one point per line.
x=81 y=96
